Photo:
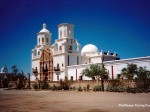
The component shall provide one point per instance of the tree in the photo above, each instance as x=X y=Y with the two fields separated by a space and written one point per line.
x=142 y=75
x=130 y=71
x=19 y=77
x=96 y=71
x=14 y=69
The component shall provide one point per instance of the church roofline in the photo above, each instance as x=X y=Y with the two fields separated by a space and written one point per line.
x=125 y=61
x=64 y=24
x=128 y=60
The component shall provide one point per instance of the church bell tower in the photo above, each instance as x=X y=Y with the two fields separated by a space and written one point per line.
x=44 y=37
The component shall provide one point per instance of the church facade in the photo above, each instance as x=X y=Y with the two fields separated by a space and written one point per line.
x=65 y=58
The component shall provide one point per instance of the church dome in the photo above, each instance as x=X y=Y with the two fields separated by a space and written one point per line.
x=44 y=30
x=90 y=48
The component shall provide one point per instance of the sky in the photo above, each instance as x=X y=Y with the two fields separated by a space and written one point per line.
x=121 y=26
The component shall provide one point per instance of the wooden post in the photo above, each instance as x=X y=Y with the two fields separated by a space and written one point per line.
x=29 y=81
x=76 y=75
x=112 y=71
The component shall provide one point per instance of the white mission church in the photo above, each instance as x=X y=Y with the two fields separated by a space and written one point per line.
x=66 y=58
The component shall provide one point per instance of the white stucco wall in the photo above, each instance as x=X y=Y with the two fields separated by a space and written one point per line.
x=117 y=67
x=35 y=64
x=59 y=59
x=61 y=75
x=76 y=70
x=84 y=60
x=96 y=59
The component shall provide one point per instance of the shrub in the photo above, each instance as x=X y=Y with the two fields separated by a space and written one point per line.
x=80 y=88
x=50 y=88
x=116 y=88
x=35 y=86
x=97 y=88
x=56 y=87
x=136 y=90
x=72 y=88
x=84 y=88
x=20 y=83
x=122 y=88
x=5 y=83
x=44 y=85
x=64 y=85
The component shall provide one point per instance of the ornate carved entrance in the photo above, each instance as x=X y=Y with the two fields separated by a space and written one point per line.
x=46 y=65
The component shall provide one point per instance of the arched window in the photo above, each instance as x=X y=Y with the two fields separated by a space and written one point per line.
x=68 y=60
x=64 y=33
x=70 y=47
x=38 y=52
x=42 y=40
x=57 y=65
x=77 y=60
x=57 y=77
x=60 y=34
x=71 y=41
x=35 y=52
x=60 y=48
x=39 y=40
x=47 y=40
x=69 y=34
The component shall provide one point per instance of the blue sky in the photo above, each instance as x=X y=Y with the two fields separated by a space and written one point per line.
x=121 y=26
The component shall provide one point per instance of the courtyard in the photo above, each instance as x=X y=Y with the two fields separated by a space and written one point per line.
x=72 y=101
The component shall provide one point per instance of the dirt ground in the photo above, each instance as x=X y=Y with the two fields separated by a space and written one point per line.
x=72 y=101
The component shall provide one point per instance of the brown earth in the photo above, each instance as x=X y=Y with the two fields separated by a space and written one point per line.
x=72 y=101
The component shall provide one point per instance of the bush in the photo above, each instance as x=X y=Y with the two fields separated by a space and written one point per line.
x=44 y=85
x=64 y=85
x=56 y=87
x=116 y=88
x=20 y=83
x=5 y=83
x=80 y=88
x=136 y=90
x=35 y=86
x=97 y=88
x=72 y=88
x=50 y=88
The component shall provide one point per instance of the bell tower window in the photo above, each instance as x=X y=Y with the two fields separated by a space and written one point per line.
x=42 y=40
x=47 y=40
x=39 y=40
x=60 y=34
x=60 y=48
x=64 y=33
